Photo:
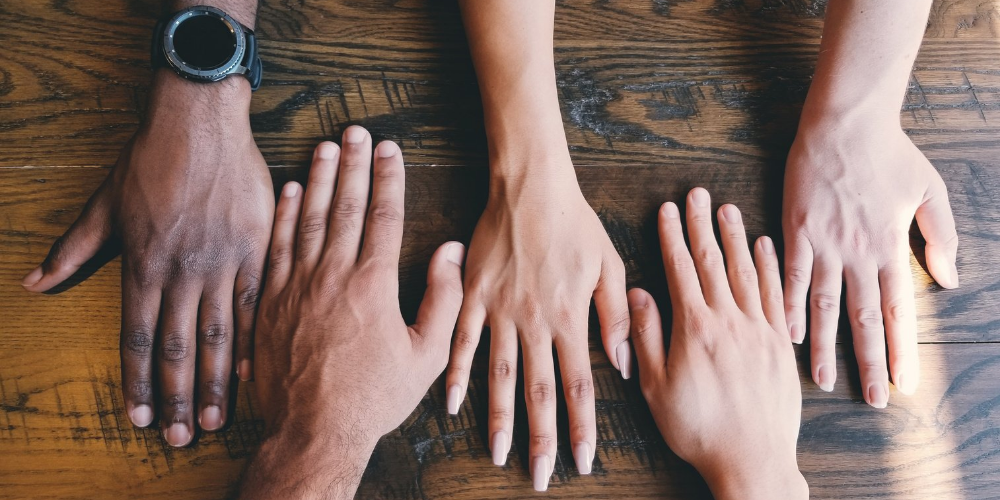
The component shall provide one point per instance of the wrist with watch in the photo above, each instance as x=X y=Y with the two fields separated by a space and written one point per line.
x=204 y=44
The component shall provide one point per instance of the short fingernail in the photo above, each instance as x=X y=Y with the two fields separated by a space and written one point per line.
x=825 y=377
x=290 y=190
x=954 y=276
x=142 y=415
x=904 y=384
x=327 y=151
x=583 y=458
x=386 y=149
x=456 y=253
x=700 y=197
x=245 y=370
x=624 y=355
x=211 y=418
x=499 y=447
x=767 y=245
x=454 y=398
x=540 y=473
x=670 y=210
x=177 y=435
x=878 y=396
x=33 y=277
x=355 y=135
x=637 y=300
x=797 y=334
x=731 y=213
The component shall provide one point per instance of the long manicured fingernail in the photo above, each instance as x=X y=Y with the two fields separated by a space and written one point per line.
x=386 y=149
x=797 y=334
x=583 y=458
x=731 y=213
x=327 y=151
x=825 y=376
x=878 y=396
x=699 y=197
x=177 y=435
x=540 y=473
x=767 y=245
x=454 y=398
x=211 y=418
x=624 y=355
x=245 y=370
x=670 y=210
x=33 y=277
x=456 y=253
x=355 y=135
x=290 y=190
x=142 y=415
x=500 y=447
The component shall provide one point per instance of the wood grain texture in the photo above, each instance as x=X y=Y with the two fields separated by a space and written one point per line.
x=658 y=96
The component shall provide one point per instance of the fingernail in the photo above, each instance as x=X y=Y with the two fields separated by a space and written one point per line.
x=624 y=359
x=581 y=454
x=500 y=448
x=291 y=189
x=33 y=277
x=454 y=399
x=825 y=377
x=904 y=385
x=731 y=213
x=177 y=435
x=670 y=210
x=142 y=415
x=797 y=334
x=326 y=151
x=878 y=396
x=767 y=245
x=540 y=473
x=355 y=135
x=456 y=253
x=953 y=278
x=699 y=197
x=245 y=370
x=211 y=418
x=637 y=300
x=386 y=149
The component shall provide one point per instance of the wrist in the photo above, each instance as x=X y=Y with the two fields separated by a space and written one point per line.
x=172 y=95
x=756 y=479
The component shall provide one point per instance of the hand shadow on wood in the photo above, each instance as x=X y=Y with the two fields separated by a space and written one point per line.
x=106 y=254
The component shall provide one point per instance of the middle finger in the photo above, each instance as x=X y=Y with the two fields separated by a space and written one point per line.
x=177 y=362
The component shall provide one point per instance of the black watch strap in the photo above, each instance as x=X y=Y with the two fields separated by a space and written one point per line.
x=251 y=58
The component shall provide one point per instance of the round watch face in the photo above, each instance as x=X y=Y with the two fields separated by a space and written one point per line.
x=203 y=43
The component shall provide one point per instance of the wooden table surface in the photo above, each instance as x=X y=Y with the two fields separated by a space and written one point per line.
x=658 y=96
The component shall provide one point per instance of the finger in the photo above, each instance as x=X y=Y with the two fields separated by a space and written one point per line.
x=286 y=220
x=467 y=332
x=647 y=336
x=937 y=224
x=865 y=311
x=177 y=364
x=578 y=388
x=350 y=203
x=825 y=314
x=612 y=311
x=215 y=356
x=140 y=311
x=442 y=301
x=682 y=279
x=739 y=265
x=769 y=272
x=502 y=383
x=384 y=227
x=316 y=205
x=540 y=400
x=798 y=274
x=245 y=301
x=705 y=249
x=76 y=246
x=900 y=316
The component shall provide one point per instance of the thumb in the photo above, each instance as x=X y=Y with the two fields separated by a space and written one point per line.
x=937 y=224
x=442 y=301
x=75 y=247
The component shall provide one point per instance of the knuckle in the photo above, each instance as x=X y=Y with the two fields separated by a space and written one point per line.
x=541 y=393
x=215 y=334
x=826 y=302
x=139 y=342
x=502 y=370
x=542 y=441
x=312 y=226
x=465 y=340
x=580 y=388
x=176 y=346
x=745 y=274
x=213 y=387
x=179 y=403
x=644 y=331
x=348 y=207
x=141 y=388
x=248 y=295
x=868 y=317
x=798 y=275
x=898 y=311
x=680 y=263
x=620 y=322
x=280 y=256
x=501 y=414
x=709 y=256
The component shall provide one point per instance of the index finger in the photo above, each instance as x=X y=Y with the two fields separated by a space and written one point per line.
x=682 y=279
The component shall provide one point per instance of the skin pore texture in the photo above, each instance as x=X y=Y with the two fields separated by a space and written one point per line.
x=337 y=367
x=190 y=203
x=853 y=185
x=539 y=253
x=726 y=394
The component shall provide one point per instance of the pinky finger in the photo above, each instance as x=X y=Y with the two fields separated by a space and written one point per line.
x=769 y=280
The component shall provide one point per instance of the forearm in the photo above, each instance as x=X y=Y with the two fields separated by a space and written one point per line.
x=865 y=59
x=511 y=45
x=244 y=11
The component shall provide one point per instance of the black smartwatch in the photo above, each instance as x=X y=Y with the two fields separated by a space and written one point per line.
x=204 y=44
